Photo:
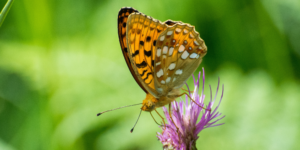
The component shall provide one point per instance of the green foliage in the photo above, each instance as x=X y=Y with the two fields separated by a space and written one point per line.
x=5 y=10
x=61 y=64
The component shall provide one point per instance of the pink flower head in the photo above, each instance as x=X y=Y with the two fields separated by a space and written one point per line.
x=185 y=116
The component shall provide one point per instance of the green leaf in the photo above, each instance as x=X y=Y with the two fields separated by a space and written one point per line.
x=5 y=10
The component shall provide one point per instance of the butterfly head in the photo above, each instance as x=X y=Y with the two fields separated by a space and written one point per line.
x=149 y=103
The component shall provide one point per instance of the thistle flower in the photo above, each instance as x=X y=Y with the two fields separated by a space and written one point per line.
x=183 y=134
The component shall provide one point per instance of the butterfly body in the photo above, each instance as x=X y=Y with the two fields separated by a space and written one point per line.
x=151 y=102
x=160 y=56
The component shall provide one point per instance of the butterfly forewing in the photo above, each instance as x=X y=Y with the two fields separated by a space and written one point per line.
x=142 y=33
x=122 y=24
x=179 y=52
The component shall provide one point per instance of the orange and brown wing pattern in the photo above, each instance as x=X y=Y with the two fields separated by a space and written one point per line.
x=122 y=24
x=142 y=33
x=179 y=51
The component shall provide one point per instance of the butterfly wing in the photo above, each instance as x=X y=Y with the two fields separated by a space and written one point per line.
x=122 y=23
x=160 y=56
x=142 y=33
x=179 y=51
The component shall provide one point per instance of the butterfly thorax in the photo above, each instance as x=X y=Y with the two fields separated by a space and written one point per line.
x=151 y=102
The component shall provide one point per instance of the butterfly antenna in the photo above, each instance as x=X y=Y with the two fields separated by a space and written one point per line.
x=118 y=108
x=136 y=121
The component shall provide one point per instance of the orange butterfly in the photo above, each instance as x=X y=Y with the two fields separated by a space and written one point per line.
x=160 y=56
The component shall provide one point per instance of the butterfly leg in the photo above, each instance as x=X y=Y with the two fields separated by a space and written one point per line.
x=187 y=90
x=170 y=111
x=160 y=117
x=155 y=120
x=194 y=101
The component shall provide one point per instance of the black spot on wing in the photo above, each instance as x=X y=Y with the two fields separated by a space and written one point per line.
x=148 y=38
x=154 y=43
x=148 y=74
x=142 y=43
x=125 y=49
x=143 y=72
x=152 y=62
x=121 y=19
x=170 y=22
x=147 y=53
x=135 y=53
x=142 y=65
x=127 y=9
x=122 y=14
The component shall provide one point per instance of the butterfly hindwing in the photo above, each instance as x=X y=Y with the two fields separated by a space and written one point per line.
x=142 y=33
x=179 y=52
x=160 y=56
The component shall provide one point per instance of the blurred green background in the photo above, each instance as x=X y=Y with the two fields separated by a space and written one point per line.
x=61 y=64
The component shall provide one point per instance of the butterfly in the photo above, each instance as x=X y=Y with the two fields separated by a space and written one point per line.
x=161 y=56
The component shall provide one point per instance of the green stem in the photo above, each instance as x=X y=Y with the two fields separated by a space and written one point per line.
x=5 y=10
